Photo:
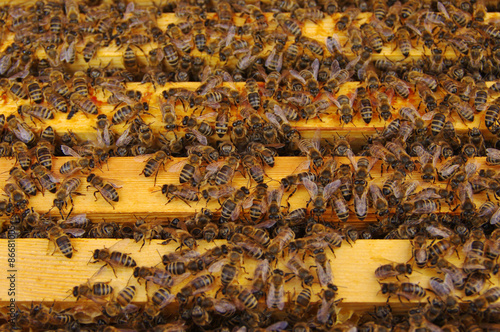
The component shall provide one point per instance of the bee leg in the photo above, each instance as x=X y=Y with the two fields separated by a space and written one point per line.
x=287 y=274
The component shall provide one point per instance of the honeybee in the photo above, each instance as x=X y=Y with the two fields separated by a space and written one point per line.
x=21 y=130
x=344 y=107
x=16 y=196
x=95 y=292
x=196 y=286
x=121 y=302
x=406 y=289
x=323 y=266
x=223 y=172
x=113 y=258
x=189 y=168
x=183 y=193
x=105 y=188
x=155 y=275
x=61 y=241
x=337 y=77
x=276 y=295
x=154 y=162
x=67 y=189
x=393 y=270
x=283 y=237
x=231 y=207
x=72 y=166
x=127 y=112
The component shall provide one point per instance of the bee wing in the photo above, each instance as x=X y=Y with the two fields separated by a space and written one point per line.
x=443 y=10
x=273 y=119
x=236 y=212
x=361 y=203
x=312 y=187
x=177 y=167
x=275 y=195
x=296 y=74
x=279 y=112
x=124 y=138
x=279 y=326
x=143 y=157
x=470 y=169
x=200 y=137
x=69 y=151
x=332 y=44
x=325 y=275
x=493 y=153
x=223 y=306
x=375 y=191
x=266 y=224
x=217 y=266
x=335 y=68
x=22 y=133
x=331 y=188
x=75 y=232
x=262 y=269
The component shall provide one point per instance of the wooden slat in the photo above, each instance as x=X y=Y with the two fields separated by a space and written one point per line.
x=82 y=125
x=310 y=29
x=353 y=270
x=139 y=197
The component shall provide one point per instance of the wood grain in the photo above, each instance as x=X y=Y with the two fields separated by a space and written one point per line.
x=319 y=32
x=83 y=125
x=353 y=269
x=139 y=196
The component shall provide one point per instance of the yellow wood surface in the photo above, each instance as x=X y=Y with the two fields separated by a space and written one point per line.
x=318 y=31
x=353 y=269
x=139 y=196
x=82 y=125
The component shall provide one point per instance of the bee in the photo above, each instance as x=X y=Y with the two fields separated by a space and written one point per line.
x=21 y=130
x=378 y=200
x=121 y=303
x=373 y=37
x=127 y=112
x=34 y=90
x=79 y=102
x=196 y=286
x=337 y=77
x=482 y=302
x=80 y=164
x=37 y=111
x=323 y=266
x=61 y=241
x=184 y=194
x=463 y=109
x=347 y=18
x=253 y=168
x=20 y=150
x=15 y=88
x=294 y=180
x=223 y=171
x=364 y=105
x=24 y=181
x=384 y=104
x=105 y=188
x=320 y=196
x=328 y=295
x=154 y=162
x=155 y=275
x=344 y=105
x=311 y=148
x=189 y=169
x=314 y=109
x=276 y=295
x=399 y=86
x=94 y=292
x=231 y=207
x=393 y=270
x=67 y=189
x=475 y=283
x=491 y=117
x=44 y=151
x=113 y=258
x=230 y=269
x=16 y=196
x=406 y=289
